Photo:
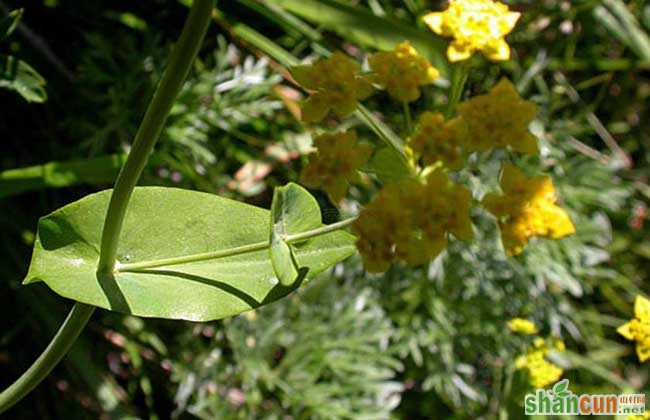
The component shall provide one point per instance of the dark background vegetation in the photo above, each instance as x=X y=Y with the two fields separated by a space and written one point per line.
x=427 y=342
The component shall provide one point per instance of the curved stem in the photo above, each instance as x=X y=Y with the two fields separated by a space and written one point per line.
x=458 y=80
x=222 y=253
x=177 y=69
x=58 y=347
x=152 y=124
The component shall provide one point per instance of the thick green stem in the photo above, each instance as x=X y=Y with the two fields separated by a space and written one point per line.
x=222 y=253
x=458 y=80
x=179 y=65
x=177 y=69
x=58 y=347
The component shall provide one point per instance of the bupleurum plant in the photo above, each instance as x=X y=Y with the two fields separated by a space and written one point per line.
x=178 y=254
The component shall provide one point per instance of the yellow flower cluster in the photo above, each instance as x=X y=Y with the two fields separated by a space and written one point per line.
x=499 y=119
x=522 y=326
x=402 y=71
x=475 y=25
x=540 y=371
x=338 y=159
x=336 y=85
x=436 y=140
x=410 y=221
x=527 y=208
x=638 y=329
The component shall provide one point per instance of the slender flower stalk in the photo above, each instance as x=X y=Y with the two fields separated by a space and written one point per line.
x=179 y=65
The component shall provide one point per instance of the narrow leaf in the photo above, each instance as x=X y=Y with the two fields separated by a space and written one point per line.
x=9 y=23
x=360 y=26
x=95 y=171
x=20 y=77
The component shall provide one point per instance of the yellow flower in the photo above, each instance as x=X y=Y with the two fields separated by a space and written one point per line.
x=527 y=208
x=638 y=329
x=499 y=119
x=475 y=25
x=335 y=84
x=436 y=140
x=540 y=371
x=410 y=221
x=402 y=71
x=336 y=163
x=522 y=326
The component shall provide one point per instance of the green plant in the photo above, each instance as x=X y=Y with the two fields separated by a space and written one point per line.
x=81 y=241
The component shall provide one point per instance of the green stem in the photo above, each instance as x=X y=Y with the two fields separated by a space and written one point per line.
x=222 y=253
x=458 y=80
x=58 y=347
x=177 y=69
x=407 y=117
x=152 y=124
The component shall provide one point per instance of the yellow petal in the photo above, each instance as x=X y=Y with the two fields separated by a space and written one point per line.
x=527 y=145
x=642 y=308
x=509 y=21
x=499 y=51
x=624 y=330
x=314 y=109
x=364 y=88
x=304 y=75
x=643 y=352
x=434 y=22
x=458 y=52
x=345 y=107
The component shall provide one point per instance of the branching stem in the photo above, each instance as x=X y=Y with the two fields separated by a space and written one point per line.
x=152 y=124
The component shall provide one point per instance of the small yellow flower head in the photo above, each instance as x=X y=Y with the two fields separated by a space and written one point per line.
x=638 y=329
x=335 y=84
x=410 y=220
x=522 y=326
x=499 y=119
x=436 y=140
x=527 y=208
x=540 y=371
x=336 y=163
x=475 y=25
x=402 y=71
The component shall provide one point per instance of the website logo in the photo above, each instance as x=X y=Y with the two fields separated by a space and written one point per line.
x=560 y=400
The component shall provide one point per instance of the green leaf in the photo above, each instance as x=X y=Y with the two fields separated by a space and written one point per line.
x=164 y=223
x=9 y=23
x=293 y=210
x=387 y=166
x=360 y=26
x=100 y=170
x=19 y=76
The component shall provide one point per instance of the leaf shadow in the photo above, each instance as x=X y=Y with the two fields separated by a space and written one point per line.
x=277 y=292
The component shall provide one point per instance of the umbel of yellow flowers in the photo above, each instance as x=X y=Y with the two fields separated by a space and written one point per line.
x=410 y=221
x=522 y=326
x=336 y=164
x=436 y=140
x=335 y=84
x=540 y=371
x=402 y=71
x=525 y=209
x=475 y=25
x=638 y=329
x=499 y=119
